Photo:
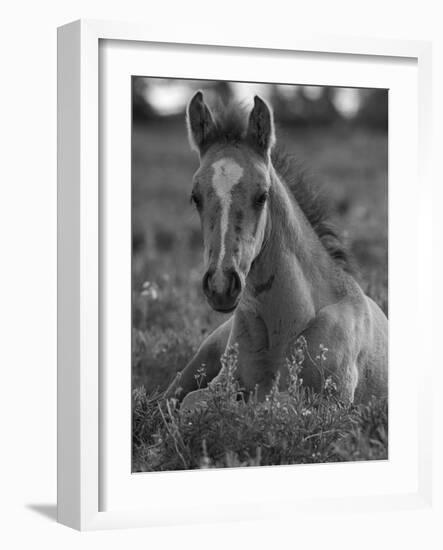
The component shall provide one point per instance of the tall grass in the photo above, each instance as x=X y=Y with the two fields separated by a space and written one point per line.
x=225 y=428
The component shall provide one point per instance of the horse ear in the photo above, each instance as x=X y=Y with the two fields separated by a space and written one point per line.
x=260 y=133
x=201 y=125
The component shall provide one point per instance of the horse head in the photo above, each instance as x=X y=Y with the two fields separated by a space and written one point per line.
x=231 y=191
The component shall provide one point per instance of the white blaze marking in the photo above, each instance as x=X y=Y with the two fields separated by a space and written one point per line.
x=227 y=173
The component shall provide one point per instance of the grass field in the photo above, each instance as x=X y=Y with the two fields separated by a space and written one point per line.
x=171 y=317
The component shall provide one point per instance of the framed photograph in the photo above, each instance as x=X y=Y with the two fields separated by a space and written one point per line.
x=237 y=223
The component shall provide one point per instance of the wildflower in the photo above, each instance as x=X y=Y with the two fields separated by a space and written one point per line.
x=330 y=386
x=200 y=375
x=150 y=291
x=294 y=363
x=227 y=383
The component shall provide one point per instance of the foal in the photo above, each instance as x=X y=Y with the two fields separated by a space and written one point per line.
x=273 y=261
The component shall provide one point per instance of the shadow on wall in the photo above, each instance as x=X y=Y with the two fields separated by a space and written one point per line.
x=49 y=511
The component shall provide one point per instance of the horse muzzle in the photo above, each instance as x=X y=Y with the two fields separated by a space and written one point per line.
x=222 y=289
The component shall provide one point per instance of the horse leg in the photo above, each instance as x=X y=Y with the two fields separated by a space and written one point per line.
x=336 y=327
x=207 y=358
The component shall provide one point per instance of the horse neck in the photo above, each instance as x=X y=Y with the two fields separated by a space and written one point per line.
x=293 y=276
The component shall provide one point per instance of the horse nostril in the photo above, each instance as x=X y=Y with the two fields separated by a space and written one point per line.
x=230 y=288
x=206 y=283
x=234 y=285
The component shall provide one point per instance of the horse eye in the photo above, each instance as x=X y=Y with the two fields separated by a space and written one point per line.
x=262 y=198
x=196 y=199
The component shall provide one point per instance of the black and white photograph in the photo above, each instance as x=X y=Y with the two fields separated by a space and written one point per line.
x=222 y=276
x=259 y=274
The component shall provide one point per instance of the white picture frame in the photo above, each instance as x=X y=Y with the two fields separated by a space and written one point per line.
x=83 y=442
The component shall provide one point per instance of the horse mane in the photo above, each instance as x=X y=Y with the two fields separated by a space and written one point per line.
x=230 y=128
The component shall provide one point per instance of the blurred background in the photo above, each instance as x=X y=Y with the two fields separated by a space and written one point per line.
x=341 y=135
